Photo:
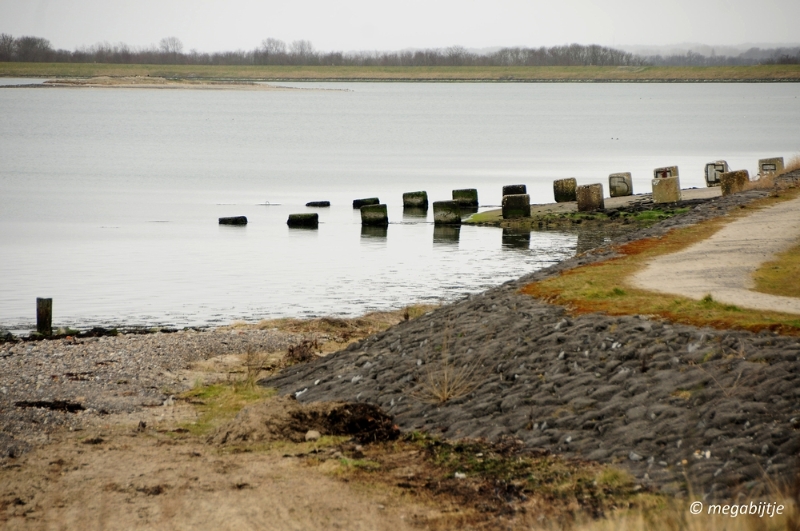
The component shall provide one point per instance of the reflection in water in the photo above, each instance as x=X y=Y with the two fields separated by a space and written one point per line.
x=446 y=233
x=516 y=239
x=415 y=214
x=468 y=211
x=374 y=231
x=589 y=239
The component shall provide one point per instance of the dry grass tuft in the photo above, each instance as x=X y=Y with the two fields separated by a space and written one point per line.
x=444 y=378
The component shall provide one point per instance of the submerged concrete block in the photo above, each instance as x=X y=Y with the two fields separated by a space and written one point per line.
x=303 y=220
x=714 y=170
x=564 y=190
x=620 y=184
x=666 y=190
x=374 y=215
x=514 y=189
x=318 y=204
x=590 y=197
x=375 y=231
x=773 y=165
x=516 y=238
x=446 y=213
x=446 y=233
x=665 y=172
x=415 y=200
x=732 y=182
x=358 y=203
x=235 y=220
x=516 y=206
x=466 y=197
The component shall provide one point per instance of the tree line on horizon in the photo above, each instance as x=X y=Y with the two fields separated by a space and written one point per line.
x=301 y=52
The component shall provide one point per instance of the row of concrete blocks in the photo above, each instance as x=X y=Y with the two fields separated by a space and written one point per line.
x=374 y=213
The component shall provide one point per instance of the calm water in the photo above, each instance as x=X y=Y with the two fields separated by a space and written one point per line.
x=109 y=199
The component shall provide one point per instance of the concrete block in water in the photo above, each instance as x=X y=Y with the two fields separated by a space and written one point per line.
x=514 y=189
x=466 y=197
x=374 y=215
x=732 y=182
x=564 y=190
x=620 y=184
x=446 y=213
x=318 y=204
x=590 y=197
x=714 y=170
x=235 y=220
x=303 y=220
x=773 y=165
x=358 y=203
x=415 y=200
x=665 y=172
x=516 y=206
x=666 y=190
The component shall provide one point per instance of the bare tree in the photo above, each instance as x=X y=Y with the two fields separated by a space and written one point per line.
x=6 y=47
x=171 y=45
x=302 y=48
x=272 y=46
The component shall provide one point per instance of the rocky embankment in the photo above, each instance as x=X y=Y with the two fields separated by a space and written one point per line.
x=681 y=407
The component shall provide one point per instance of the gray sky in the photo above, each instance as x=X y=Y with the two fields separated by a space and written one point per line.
x=214 y=25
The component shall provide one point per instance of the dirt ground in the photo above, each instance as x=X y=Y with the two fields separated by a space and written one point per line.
x=117 y=477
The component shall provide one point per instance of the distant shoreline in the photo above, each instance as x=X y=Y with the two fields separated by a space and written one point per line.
x=499 y=74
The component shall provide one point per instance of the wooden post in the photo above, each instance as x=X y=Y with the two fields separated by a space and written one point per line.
x=44 y=316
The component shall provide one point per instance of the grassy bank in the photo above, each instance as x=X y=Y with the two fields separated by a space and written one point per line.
x=601 y=287
x=767 y=73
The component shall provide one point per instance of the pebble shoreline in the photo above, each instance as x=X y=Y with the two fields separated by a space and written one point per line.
x=104 y=375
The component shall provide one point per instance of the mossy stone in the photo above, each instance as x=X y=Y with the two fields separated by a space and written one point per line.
x=374 y=215
x=415 y=200
x=564 y=190
x=446 y=213
x=466 y=197
x=516 y=206
x=303 y=220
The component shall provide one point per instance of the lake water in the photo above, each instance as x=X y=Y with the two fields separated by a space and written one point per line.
x=109 y=198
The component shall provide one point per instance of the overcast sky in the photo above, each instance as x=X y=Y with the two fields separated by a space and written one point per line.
x=214 y=25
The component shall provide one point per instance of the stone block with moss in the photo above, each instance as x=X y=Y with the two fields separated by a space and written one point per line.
x=564 y=190
x=466 y=197
x=374 y=215
x=358 y=203
x=415 y=200
x=516 y=206
x=514 y=189
x=733 y=182
x=590 y=197
x=666 y=190
x=446 y=213
x=303 y=221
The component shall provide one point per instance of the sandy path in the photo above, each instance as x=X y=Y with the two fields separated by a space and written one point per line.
x=723 y=265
